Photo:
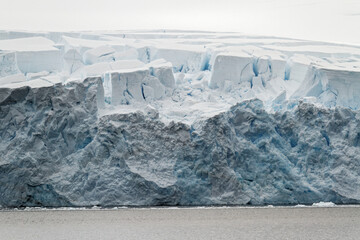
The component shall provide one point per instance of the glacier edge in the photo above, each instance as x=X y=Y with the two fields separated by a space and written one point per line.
x=56 y=151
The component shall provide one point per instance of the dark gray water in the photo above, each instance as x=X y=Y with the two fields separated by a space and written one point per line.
x=183 y=223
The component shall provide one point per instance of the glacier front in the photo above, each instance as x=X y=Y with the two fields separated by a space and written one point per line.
x=177 y=118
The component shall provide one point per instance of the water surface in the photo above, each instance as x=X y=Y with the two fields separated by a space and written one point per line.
x=184 y=223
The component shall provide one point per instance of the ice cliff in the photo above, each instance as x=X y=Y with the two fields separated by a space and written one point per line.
x=132 y=118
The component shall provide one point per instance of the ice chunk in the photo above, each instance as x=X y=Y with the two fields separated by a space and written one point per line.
x=180 y=78
x=39 y=61
x=258 y=84
x=331 y=86
x=37 y=83
x=54 y=79
x=73 y=60
x=126 y=85
x=151 y=111
x=126 y=64
x=34 y=54
x=99 y=54
x=183 y=58
x=123 y=86
x=280 y=98
x=234 y=68
x=128 y=54
x=152 y=88
x=314 y=83
x=163 y=71
x=324 y=204
x=242 y=65
x=297 y=66
x=82 y=45
x=98 y=69
x=8 y=64
x=31 y=76
x=12 y=79
x=148 y=92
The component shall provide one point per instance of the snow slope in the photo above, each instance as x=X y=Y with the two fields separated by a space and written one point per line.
x=178 y=118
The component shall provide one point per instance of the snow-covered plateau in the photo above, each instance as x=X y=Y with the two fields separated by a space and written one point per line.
x=141 y=118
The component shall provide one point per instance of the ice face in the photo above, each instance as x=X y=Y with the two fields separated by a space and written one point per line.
x=132 y=118
x=8 y=64
x=233 y=69
x=99 y=54
x=73 y=61
x=163 y=71
x=332 y=87
x=34 y=54
x=126 y=86
x=243 y=156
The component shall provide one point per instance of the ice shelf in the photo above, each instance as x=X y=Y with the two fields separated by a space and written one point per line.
x=177 y=118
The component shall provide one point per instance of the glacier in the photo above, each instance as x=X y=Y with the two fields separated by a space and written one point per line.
x=135 y=118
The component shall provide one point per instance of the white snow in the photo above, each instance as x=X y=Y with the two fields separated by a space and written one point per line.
x=324 y=204
x=29 y=44
x=31 y=76
x=187 y=76
x=12 y=79
x=37 y=83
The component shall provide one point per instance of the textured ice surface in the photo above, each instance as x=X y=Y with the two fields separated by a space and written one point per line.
x=156 y=118
x=8 y=64
x=34 y=54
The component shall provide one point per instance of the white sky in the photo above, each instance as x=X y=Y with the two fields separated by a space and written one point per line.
x=328 y=20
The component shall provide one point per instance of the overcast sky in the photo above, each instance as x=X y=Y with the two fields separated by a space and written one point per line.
x=329 y=20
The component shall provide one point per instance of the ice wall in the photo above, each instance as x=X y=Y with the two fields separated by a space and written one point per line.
x=182 y=59
x=39 y=61
x=148 y=83
x=34 y=54
x=242 y=156
x=332 y=87
x=99 y=119
x=233 y=68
